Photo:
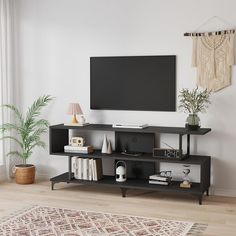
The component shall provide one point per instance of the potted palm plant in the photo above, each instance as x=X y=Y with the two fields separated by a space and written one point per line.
x=27 y=132
x=193 y=102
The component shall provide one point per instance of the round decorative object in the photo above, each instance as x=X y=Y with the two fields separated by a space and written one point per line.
x=121 y=171
x=24 y=174
x=192 y=122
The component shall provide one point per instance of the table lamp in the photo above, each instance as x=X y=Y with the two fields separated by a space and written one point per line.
x=74 y=109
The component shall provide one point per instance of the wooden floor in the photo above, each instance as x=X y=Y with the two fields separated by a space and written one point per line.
x=218 y=212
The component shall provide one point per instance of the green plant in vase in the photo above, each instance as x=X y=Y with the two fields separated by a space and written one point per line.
x=193 y=102
x=28 y=130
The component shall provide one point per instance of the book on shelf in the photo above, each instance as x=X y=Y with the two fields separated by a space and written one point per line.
x=97 y=169
x=159 y=182
x=75 y=167
x=87 y=168
x=82 y=150
x=80 y=168
x=159 y=177
x=90 y=176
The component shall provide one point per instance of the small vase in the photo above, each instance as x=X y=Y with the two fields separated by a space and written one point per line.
x=192 y=122
x=104 y=144
x=109 y=148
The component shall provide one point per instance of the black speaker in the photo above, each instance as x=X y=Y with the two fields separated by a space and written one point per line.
x=134 y=142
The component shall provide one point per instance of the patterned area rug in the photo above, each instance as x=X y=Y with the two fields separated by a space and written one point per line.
x=51 y=221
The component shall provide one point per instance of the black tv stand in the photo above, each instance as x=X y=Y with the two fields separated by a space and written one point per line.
x=59 y=135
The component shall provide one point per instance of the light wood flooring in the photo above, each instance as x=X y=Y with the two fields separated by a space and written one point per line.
x=218 y=212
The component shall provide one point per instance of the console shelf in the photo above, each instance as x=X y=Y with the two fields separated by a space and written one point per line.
x=149 y=129
x=110 y=181
x=193 y=159
x=59 y=136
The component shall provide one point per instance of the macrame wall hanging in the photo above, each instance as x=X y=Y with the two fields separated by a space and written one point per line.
x=213 y=56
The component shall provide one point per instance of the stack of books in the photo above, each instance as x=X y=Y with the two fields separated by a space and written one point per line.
x=87 y=168
x=77 y=149
x=159 y=180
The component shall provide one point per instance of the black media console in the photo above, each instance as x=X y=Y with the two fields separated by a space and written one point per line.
x=59 y=137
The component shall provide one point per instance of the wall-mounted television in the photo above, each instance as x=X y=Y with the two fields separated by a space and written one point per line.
x=142 y=83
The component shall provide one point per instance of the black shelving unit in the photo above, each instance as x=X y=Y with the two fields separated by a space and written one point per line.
x=59 y=135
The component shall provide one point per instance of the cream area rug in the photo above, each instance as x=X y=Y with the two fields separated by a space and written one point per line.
x=49 y=221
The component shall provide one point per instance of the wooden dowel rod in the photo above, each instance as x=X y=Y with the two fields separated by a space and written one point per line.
x=232 y=31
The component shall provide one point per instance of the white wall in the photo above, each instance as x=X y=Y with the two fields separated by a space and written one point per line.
x=55 y=38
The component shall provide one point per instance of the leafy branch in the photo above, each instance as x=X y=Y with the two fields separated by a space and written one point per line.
x=194 y=101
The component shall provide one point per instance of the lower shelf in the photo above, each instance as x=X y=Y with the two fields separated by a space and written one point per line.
x=130 y=184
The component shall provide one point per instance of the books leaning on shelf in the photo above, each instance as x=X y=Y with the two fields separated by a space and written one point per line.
x=159 y=180
x=87 y=168
x=77 y=149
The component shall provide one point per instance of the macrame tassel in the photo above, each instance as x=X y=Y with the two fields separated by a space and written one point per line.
x=194 y=52
x=230 y=57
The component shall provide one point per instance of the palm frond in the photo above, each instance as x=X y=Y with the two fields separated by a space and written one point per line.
x=14 y=139
x=40 y=123
x=39 y=144
x=35 y=109
x=8 y=127
x=16 y=112
x=16 y=153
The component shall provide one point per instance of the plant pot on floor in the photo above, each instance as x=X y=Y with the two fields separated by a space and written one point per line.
x=24 y=174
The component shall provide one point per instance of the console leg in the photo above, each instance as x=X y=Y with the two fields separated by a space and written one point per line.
x=207 y=192
x=52 y=185
x=123 y=191
x=200 y=199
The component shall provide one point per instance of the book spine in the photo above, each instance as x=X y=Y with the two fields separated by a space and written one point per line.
x=90 y=169
x=158 y=182
x=83 y=148
x=85 y=169
x=80 y=168
x=95 y=170
x=159 y=178
x=75 y=167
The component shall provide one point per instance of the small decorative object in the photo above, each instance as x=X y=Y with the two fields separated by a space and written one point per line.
x=165 y=152
x=104 y=144
x=109 y=148
x=82 y=119
x=74 y=109
x=186 y=180
x=77 y=141
x=121 y=171
x=162 y=178
x=78 y=149
x=28 y=131
x=193 y=102
x=213 y=55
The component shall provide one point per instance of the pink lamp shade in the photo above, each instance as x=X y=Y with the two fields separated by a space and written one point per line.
x=74 y=109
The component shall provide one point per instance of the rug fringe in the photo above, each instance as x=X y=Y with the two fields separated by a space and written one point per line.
x=197 y=229
x=16 y=213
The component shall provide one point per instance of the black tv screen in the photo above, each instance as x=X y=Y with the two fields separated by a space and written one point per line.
x=142 y=83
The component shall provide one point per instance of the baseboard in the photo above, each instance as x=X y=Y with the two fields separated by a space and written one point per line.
x=2 y=173
x=226 y=192
x=43 y=176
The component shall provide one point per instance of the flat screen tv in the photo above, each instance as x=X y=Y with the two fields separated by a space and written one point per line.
x=141 y=83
